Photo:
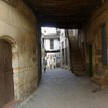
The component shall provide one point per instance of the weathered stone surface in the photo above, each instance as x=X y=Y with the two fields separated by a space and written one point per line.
x=93 y=35
x=18 y=27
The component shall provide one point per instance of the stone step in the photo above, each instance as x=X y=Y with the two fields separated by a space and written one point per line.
x=77 y=62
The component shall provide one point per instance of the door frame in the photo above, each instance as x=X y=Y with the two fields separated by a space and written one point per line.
x=15 y=62
x=90 y=60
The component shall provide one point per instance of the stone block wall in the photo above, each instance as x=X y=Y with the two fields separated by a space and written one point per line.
x=93 y=34
x=18 y=27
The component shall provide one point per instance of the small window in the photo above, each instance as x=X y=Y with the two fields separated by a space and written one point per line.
x=51 y=44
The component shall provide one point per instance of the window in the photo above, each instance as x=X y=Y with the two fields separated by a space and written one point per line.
x=66 y=52
x=51 y=44
x=104 y=44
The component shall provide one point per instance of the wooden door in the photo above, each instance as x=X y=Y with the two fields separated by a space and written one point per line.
x=6 y=73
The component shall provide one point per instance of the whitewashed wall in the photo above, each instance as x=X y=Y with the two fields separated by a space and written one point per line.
x=47 y=44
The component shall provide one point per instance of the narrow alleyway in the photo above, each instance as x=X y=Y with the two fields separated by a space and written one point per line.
x=61 y=89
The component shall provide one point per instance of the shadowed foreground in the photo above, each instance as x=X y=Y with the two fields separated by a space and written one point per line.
x=61 y=89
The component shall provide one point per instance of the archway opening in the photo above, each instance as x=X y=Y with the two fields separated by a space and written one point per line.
x=6 y=73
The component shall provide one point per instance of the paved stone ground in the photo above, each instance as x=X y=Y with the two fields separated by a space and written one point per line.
x=61 y=89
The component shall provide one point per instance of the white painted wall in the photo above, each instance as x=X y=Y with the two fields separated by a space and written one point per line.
x=47 y=44
x=56 y=44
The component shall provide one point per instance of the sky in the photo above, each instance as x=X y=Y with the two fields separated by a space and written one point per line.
x=47 y=30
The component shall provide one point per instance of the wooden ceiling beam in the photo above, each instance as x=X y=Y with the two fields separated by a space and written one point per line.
x=63 y=12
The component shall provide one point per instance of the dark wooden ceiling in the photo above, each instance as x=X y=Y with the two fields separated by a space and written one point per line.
x=63 y=13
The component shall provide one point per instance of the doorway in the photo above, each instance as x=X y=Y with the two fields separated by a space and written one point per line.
x=90 y=61
x=6 y=73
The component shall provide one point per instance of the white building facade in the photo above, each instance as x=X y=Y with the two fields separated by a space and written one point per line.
x=57 y=49
x=52 y=48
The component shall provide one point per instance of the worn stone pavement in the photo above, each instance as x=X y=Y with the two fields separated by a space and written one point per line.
x=61 y=89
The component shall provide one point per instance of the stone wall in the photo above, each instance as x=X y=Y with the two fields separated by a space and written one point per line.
x=18 y=27
x=93 y=34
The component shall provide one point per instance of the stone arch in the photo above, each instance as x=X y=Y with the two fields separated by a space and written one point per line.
x=15 y=66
